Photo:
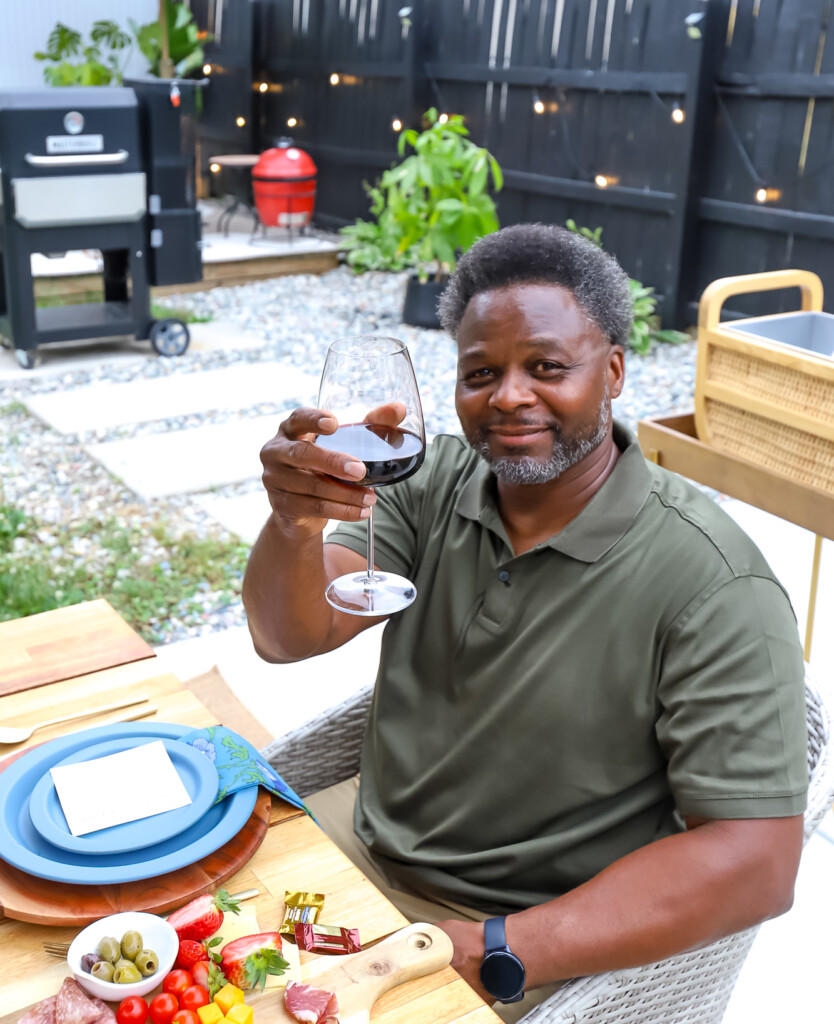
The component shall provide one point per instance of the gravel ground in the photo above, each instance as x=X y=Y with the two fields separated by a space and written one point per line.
x=50 y=476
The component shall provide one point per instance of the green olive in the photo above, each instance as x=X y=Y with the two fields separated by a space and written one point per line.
x=109 y=949
x=147 y=962
x=131 y=945
x=103 y=970
x=127 y=975
x=122 y=962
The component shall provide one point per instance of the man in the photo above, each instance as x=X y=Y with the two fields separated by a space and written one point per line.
x=590 y=723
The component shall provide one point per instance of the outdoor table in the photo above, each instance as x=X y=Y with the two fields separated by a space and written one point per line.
x=240 y=167
x=65 y=642
x=294 y=855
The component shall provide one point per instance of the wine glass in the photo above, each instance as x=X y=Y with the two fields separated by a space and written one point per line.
x=368 y=384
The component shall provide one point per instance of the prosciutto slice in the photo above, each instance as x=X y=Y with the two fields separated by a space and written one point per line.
x=41 y=1013
x=72 y=1006
x=311 y=1005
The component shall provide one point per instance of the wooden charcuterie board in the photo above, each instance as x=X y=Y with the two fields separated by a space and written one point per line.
x=361 y=979
x=41 y=901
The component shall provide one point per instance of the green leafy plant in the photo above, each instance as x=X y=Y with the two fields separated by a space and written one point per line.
x=74 y=62
x=646 y=326
x=429 y=208
x=185 y=45
x=102 y=60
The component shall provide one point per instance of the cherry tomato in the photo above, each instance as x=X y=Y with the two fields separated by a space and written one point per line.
x=176 y=982
x=200 y=973
x=163 y=1007
x=133 y=1010
x=186 y=1017
x=193 y=997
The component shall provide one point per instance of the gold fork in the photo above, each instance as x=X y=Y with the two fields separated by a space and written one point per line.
x=62 y=948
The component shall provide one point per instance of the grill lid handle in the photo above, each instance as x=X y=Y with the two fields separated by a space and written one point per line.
x=78 y=160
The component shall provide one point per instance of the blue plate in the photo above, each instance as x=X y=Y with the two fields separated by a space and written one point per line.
x=24 y=847
x=196 y=771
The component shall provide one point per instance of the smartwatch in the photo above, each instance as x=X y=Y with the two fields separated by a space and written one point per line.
x=502 y=973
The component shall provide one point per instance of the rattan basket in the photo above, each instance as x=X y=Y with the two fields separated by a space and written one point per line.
x=764 y=386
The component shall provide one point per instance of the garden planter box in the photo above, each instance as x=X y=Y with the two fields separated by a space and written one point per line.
x=420 y=309
x=764 y=386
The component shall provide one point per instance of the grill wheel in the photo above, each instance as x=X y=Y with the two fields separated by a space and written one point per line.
x=169 y=337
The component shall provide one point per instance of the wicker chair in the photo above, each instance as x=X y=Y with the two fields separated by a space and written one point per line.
x=693 y=987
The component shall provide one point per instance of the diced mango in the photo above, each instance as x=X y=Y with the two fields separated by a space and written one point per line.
x=240 y=1013
x=227 y=997
x=210 y=1014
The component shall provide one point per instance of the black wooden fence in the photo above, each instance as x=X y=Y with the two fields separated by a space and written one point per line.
x=699 y=134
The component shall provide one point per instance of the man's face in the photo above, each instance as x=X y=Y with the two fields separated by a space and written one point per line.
x=535 y=381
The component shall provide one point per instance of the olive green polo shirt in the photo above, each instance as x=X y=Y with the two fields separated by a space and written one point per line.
x=538 y=716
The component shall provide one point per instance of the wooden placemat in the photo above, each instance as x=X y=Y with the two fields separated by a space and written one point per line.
x=65 y=643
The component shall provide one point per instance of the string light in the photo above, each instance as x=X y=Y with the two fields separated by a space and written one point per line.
x=443 y=118
x=263 y=87
x=538 y=106
x=214 y=168
x=767 y=195
x=207 y=69
x=678 y=115
x=397 y=124
x=604 y=180
x=334 y=79
x=292 y=122
x=240 y=122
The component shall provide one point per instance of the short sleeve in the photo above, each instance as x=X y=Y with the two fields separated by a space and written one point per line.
x=732 y=704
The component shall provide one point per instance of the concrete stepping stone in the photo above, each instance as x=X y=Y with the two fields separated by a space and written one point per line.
x=107 y=405
x=243 y=514
x=196 y=459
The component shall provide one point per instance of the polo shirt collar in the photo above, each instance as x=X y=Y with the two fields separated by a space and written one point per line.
x=604 y=520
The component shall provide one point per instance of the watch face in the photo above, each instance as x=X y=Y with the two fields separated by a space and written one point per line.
x=502 y=974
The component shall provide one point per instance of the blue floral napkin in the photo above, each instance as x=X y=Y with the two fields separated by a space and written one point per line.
x=238 y=764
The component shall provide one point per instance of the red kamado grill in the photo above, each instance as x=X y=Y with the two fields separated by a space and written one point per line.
x=284 y=184
x=102 y=168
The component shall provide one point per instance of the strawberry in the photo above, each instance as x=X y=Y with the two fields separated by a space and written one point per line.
x=203 y=916
x=192 y=952
x=246 y=962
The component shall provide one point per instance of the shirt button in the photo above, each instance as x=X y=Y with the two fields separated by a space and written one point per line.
x=504 y=576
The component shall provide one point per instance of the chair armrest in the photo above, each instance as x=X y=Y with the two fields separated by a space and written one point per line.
x=326 y=749
x=693 y=986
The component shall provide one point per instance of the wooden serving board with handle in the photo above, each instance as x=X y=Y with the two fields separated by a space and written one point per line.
x=360 y=979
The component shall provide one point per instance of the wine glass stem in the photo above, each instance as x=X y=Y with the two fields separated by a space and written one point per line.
x=371 y=545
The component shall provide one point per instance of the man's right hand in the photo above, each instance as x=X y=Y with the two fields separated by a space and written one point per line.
x=308 y=485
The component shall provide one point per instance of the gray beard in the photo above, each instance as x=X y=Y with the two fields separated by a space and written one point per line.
x=567 y=452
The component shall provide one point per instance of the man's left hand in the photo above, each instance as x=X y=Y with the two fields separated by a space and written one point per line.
x=468 y=939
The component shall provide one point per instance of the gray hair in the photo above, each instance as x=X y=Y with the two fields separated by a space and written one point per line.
x=543 y=254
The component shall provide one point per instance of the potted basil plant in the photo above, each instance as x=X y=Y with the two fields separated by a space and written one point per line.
x=427 y=210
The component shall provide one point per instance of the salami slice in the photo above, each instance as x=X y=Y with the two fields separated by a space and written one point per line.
x=72 y=1006
x=311 y=1005
x=105 y=1014
x=41 y=1013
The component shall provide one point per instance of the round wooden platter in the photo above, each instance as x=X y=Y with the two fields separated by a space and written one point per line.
x=41 y=901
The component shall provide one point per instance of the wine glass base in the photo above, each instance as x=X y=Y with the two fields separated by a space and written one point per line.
x=382 y=594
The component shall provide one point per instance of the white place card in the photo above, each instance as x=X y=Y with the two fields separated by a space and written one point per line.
x=121 y=787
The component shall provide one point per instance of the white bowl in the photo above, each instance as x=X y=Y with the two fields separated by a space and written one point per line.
x=156 y=934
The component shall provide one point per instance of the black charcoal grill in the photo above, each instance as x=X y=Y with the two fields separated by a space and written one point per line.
x=107 y=168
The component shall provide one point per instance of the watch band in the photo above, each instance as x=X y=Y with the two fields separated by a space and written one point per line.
x=494 y=934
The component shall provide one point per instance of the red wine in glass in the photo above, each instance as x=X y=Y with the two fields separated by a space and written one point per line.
x=390 y=454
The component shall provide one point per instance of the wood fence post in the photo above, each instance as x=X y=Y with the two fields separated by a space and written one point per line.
x=700 y=98
x=414 y=77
